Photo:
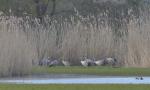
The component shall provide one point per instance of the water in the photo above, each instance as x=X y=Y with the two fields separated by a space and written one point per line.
x=74 y=79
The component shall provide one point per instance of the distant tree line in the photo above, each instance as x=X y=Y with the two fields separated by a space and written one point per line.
x=84 y=7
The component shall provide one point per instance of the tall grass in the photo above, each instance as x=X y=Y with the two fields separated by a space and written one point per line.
x=24 y=41
x=138 y=45
x=16 y=52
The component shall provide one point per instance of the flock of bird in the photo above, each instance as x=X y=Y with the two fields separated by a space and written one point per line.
x=92 y=62
x=84 y=62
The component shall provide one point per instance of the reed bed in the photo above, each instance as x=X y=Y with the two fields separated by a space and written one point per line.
x=24 y=41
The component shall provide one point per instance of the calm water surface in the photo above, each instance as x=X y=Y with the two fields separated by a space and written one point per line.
x=74 y=79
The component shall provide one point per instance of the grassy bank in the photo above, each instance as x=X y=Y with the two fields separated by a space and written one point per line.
x=94 y=71
x=74 y=87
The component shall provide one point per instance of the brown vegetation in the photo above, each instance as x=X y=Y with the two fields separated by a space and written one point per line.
x=21 y=43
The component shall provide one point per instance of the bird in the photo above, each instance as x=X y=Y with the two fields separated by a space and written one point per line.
x=99 y=62
x=110 y=61
x=44 y=61
x=53 y=63
x=87 y=62
x=66 y=63
x=84 y=63
x=139 y=78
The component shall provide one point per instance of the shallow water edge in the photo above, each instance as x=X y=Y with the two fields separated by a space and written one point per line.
x=75 y=79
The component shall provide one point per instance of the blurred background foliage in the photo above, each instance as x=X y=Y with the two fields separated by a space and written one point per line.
x=67 y=7
x=116 y=13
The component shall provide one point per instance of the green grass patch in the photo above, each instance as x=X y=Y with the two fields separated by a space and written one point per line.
x=74 y=87
x=109 y=71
